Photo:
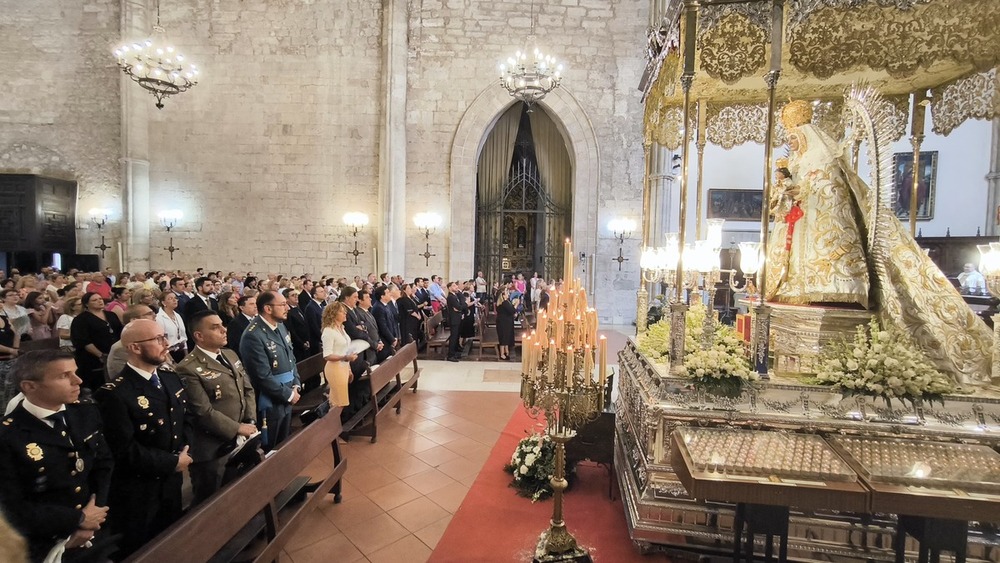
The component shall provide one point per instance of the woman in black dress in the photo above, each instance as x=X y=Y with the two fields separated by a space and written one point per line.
x=93 y=332
x=505 y=323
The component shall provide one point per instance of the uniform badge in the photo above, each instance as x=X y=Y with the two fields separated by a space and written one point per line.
x=35 y=452
x=159 y=421
x=197 y=370
x=143 y=402
x=218 y=392
x=79 y=465
x=142 y=427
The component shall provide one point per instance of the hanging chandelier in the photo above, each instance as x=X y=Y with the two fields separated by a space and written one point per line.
x=155 y=65
x=529 y=77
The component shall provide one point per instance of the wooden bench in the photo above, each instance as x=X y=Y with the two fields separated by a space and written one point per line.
x=311 y=376
x=486 y=337
x=437 y=336
x=266 y=499
x=387 y=389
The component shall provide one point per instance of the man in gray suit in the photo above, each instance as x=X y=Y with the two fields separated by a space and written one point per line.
x=221 y=402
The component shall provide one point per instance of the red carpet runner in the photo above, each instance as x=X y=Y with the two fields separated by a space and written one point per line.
x=494 y=524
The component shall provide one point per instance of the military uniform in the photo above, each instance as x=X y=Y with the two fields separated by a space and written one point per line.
x=220 y=397
x=145 y=428
x=48 y=474
x=270 y=360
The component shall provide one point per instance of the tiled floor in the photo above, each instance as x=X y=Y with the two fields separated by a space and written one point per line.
x=400 y=493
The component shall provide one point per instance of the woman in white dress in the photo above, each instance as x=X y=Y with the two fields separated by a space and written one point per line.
x=173 y=326
x=71 y=308
x=338 y=361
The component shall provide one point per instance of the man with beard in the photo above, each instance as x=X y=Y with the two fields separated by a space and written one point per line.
x=222 y=402
x=55 y=466
x=143 y=412
x=267 y=354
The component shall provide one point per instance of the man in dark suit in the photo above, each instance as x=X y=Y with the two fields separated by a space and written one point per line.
x=179 y=288
x=234 y=332
x=266 y=351
x=314 y=315
x=55 y=465
x=221 y=402
x=377 y=351
x=456 y=309
x=202 y=301
x=143 y=411
x=297 y=328
x=385 y=317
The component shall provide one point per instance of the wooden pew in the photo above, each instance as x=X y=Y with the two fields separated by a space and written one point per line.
x=222 y=526
x=486 y=337
x=387 y=389
x=437 y=336
x=310 y=375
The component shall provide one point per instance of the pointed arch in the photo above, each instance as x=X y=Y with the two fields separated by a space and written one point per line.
x=478 y=120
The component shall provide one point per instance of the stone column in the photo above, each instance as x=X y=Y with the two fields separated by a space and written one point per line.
x=993 y=185
x=392 y=219
x=135 y=24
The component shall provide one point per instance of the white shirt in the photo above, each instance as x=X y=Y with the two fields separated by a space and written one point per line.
x=41 y=413
x=147 y=375
x=172 y=327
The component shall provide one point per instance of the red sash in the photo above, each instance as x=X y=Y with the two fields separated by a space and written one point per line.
x=793 y=215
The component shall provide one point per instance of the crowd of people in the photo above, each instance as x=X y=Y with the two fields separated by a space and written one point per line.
x=160 y=373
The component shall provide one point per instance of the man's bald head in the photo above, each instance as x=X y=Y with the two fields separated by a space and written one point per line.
x=146 y=344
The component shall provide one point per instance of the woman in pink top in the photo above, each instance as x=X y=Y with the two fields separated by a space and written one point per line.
x=119 y=301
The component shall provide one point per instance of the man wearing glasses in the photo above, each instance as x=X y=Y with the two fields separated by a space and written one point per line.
x=143 y=413
x=268 y=356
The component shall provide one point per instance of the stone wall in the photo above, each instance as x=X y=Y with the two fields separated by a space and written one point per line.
x=59 y=101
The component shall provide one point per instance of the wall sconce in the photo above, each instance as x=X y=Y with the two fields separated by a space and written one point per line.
x=169 y=220
x=428 y=223
x=100 y=218
x=621 y=229
x=356 y=221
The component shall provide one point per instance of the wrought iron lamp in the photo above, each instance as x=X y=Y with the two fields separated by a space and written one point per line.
x=621 y=229
x=356 y=222
x=155 y=65
x=428 y=223
x=529 y=77
x=169 y=220
x=100 y=218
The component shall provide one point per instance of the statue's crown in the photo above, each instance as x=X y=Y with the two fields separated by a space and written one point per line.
x=797 y=112
x=781 y=162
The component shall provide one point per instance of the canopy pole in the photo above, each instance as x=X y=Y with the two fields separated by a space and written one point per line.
x=916 y=139
x=699 y=208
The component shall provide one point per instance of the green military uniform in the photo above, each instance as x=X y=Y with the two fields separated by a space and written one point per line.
x=269 y=358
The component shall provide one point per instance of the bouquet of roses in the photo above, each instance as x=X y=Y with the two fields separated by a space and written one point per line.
x=723 y=368
x=532 y=466
x=881 y=362
x=655 y=342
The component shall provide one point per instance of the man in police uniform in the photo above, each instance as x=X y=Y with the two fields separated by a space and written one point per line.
x=221 y=402
x=266 y=350
x=55 y=467
x=143 y=412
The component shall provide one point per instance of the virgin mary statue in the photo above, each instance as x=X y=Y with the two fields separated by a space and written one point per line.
x=819 y=253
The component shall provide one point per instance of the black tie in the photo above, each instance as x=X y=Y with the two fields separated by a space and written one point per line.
x=58 y=421
x=223 y=361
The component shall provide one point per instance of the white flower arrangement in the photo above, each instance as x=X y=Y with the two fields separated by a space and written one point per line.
x=881 y=362
x=532 y=466
x=722 y=369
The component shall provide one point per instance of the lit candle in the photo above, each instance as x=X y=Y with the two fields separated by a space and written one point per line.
x=551 y=367
x=524 y=355
x=536 y=353
x=567 y=262
x=603 y=359
x=588 y=364
x=569 y=367
x=542 y=321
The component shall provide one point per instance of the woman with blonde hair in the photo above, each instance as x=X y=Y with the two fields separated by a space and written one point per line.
x=71 y=308
x=335 y=347
x=145 y=297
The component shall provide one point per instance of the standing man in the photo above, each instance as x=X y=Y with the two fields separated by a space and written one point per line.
x=376 y=352
x=313 y=313
x=457 y=308
x=237 y=326
x=387 y=321
x=480 y=287
x=179 y=288
x=143 y=412
x=55 y=465
x=202 y=301
x=266 y=349
x=296 y=325
x=221 y=402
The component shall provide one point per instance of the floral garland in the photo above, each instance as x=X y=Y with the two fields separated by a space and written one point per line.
x=884 y=363
x=721 y=369
x=532 y=465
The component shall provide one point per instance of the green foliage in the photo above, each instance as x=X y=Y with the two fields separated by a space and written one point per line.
x=532 y=465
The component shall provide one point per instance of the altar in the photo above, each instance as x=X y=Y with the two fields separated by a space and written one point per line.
x=663 y=515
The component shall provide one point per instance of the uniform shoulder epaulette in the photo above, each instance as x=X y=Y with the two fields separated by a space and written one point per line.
x=7 y=421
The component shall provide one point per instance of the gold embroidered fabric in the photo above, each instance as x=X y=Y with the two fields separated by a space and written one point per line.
x=733 y=48
x=976 y=96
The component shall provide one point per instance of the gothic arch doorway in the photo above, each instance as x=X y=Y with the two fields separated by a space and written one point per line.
x=523 y=196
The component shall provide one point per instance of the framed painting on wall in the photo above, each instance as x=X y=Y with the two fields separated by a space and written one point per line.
x=902 y=181
x=734 y=204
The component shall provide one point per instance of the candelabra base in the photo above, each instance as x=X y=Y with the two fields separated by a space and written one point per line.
x=553 y=538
